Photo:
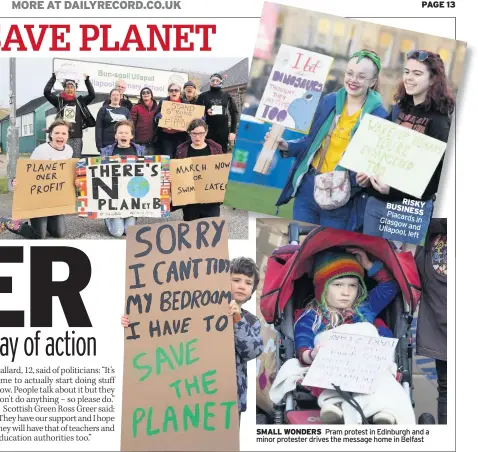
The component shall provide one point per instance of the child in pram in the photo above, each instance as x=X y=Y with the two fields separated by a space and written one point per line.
x=342 y=301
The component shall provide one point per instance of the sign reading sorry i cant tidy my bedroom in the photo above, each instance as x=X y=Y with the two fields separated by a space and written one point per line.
x=179 y=387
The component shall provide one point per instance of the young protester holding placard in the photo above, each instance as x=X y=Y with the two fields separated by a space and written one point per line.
x=431 y=262
x=247 y=327
x=123 y=146
x=167 y=140
x=56 y=149
x=424 y=104
x=199 y=146
x=106 y=119
x=317 y=154
x=142 y=115
x=341 y=297
x=218 y=104
x=73 y=109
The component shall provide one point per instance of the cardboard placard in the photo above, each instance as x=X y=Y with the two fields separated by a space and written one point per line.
x=351 y=361
x=199 y=179
x=179 y=383
x=45 y=188
x=122 y=187
x=294 y=88
x=398 y=156
x=177 y=115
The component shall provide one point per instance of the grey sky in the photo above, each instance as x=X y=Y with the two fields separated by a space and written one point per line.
x=33 y=73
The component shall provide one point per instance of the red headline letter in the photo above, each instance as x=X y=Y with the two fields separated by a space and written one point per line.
x=85 y=36
x=205 y=41
x=133 y=30
x=14 y=40
x=183 y=37
x=104 y=47
x=58 y=36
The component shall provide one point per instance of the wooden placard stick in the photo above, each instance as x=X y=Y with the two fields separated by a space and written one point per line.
x=268 y=151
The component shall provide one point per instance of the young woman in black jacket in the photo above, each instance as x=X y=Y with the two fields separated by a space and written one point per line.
x=424 y=103
x=72 y=109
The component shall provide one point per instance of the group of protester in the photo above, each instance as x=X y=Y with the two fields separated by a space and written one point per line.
x=125 y=129
x=146 y=114
x=424 y=103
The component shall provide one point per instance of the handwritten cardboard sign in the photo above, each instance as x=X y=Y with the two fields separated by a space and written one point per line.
x=351 y=361
x=121 y=187
x=294 y=88
x=45 y=188
x=177 y=115
x=199 y=179
x=400 y=157
x=179 y=383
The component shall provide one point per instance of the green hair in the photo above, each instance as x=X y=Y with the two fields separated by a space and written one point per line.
x=370 y=55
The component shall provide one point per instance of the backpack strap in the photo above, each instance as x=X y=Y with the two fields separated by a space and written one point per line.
x=325 y=146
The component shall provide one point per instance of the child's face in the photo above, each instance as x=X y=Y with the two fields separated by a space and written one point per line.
x=342 y=292
x=241 y=287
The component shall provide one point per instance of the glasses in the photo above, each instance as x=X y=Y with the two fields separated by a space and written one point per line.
x=174 y=90
x=361 y=78
x=197 y=134
x=146 y=92
x=420 y=55
x=215 y=80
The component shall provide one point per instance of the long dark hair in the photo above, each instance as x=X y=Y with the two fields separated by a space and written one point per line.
x=439 y=96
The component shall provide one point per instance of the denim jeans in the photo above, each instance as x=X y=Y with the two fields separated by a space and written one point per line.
x=307 y=210
x=38 y=227
x=383 y=221
x=117 y=227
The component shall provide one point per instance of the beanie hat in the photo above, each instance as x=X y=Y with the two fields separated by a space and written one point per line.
x=189 y=83
x=219 y=76
x=70 y=82
x=330 y=265
x=143 y=89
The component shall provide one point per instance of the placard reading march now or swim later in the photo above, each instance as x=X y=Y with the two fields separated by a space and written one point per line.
x=398 y=156
x=294 y=88
x=179 y=380
x=121 y=187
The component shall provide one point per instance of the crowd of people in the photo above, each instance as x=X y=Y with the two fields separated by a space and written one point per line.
x=124 y=129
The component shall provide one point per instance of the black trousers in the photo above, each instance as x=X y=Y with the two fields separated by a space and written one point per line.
x=193 y=212
x=442 y=398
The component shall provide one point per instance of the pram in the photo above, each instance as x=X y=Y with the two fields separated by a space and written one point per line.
x=288 y=287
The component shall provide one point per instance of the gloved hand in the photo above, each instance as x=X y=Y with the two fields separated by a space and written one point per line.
x=158 y=117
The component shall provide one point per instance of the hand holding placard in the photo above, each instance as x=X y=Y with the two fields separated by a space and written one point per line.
x=350 y=361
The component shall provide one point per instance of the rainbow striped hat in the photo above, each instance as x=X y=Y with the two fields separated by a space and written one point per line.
x=330 y=265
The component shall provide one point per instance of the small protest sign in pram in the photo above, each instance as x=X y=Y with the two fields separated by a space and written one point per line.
x=352 y=362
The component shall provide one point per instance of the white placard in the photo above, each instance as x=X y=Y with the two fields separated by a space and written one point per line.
x=351 y=361
x=398 y=156
x=294 y=88
x=103 y=76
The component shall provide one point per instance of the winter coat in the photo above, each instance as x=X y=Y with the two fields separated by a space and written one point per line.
x=248 y=345
x=108 y=150
x=143 y=119
x=106 y=120
x=84 y=119
x=329 y=106
x=432 y=315
x=182 y=151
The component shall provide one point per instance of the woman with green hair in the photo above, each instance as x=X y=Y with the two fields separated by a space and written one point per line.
x=335 y=121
